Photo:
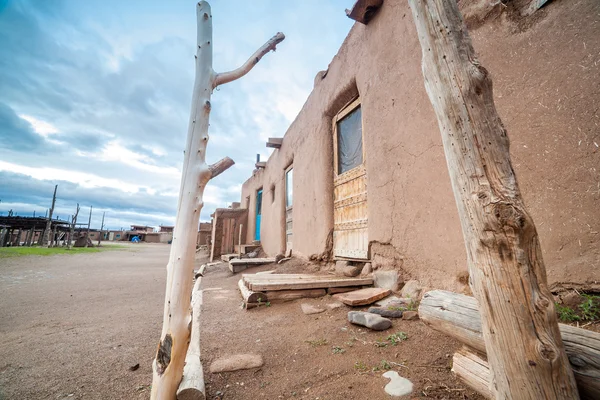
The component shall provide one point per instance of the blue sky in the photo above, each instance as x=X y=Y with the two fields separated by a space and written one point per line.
x=95 y=97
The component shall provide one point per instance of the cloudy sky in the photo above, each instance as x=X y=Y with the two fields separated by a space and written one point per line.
x=95 y=97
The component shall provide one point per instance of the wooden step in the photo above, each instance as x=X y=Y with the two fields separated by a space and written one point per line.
x=237 y=265
x=246 y=248
x=228 y=257
x=274 y=282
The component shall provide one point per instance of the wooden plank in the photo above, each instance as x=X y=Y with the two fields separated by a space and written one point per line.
x=458 y=316
x=472 y=369
x=362 y=297
x=249 y=296
x=289 y=295
x=308 y=284
x=274 y=143
x=336 y=290
x=238 y=265
x=252 y=261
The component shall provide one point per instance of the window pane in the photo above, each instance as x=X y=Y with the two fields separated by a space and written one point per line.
x=349 y=138
x=259 y=202
x=289 y=187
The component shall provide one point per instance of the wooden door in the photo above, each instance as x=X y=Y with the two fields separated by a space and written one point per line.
x=289 y=198
x=350 y=212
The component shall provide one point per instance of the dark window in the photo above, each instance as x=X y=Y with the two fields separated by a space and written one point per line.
x=289 y=187
x=349 y=141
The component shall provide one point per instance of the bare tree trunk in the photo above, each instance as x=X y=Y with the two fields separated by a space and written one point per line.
x=72 y=230
x=175 y=336
x=49 y=221
x=526 y=355
x=87 y=232
x=101 y=228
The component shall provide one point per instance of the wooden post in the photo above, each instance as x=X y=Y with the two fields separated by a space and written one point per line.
x=526 y=355
x=72 y=227
x=52 y=242
x=175 y=336
x=18 y=241
x=46 y=234
x=101 y=228
x=240 y=242
x=87 y=233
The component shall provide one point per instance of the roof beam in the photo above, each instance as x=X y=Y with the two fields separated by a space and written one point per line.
x=274 y=142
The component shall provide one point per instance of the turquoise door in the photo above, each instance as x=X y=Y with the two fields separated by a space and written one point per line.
x=258 y=214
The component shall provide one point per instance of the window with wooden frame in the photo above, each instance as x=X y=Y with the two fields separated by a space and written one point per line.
x=348 y=138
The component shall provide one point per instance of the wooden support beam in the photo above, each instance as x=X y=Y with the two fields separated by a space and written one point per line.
x=274 y=143
x=363 y=10
x=192 y=383
x=526 y=355
x=260 y=164
x=458 y=316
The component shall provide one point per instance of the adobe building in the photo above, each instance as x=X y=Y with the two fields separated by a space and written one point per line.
x=361 y=173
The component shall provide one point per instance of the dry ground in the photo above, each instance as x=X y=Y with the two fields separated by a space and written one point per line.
x=72 y=326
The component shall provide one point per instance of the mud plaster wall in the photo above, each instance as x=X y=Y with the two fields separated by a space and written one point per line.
x=546 y=73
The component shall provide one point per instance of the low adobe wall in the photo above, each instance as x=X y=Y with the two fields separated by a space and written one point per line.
x=546 y=71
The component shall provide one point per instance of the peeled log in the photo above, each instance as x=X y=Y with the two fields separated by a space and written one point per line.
x=457 y=316
x=472 y=369
x=192 y=384
x=506 y=269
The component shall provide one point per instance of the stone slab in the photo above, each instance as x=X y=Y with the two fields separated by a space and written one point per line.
x=362 y=297
x=236 y=362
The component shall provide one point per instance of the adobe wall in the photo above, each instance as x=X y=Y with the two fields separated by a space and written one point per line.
x=546 y=73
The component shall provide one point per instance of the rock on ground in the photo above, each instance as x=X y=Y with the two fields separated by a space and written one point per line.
x=309 y=309
x=366 y=270
x=398 y=386
x=335 y=305
x=410 y=315
x=412 y=289
x=346 y=269
x=236 y=362
x=369 y=320
x=362 y=297
x=385 y=312
x=387 y=280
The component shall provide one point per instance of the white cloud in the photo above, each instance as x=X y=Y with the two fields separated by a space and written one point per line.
x=40 y=127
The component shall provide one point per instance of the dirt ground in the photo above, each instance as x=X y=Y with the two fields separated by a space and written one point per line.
x=72 y=326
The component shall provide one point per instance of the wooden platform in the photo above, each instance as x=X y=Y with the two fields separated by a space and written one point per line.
x=260 y=288
x=272 y=282
x=236 y=265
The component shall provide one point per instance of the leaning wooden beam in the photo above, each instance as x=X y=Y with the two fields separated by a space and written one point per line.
x=458 y=316
x=274 y=143
x=507 y=271
x=192 y=384
x=175 y=336
x=472 y=369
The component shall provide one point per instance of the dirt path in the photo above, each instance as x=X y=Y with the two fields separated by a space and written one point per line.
x=72 y=325
x=295 y=368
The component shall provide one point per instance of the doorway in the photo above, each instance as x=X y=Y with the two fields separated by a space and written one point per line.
x=258 y=214
x=350 y=212
x=289 y=198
